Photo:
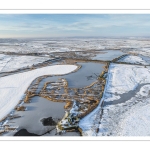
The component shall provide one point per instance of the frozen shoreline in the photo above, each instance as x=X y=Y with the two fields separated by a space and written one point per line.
x=120 y=80
x=117 y=119
x=13 y=87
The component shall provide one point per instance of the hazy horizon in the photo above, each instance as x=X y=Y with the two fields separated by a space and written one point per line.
x=74 y=25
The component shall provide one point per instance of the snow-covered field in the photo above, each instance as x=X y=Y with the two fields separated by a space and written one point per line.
x=130 y=118
x=126 y=96
x=143 y=51
x=133 y=60
x=120 y=117
x=124 y=78
x=136 y=121
x=13 y=87
x=137 y=45
x=11 y=62
x=4 y=59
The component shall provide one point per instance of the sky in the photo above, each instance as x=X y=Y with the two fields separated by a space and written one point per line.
x=70 y=25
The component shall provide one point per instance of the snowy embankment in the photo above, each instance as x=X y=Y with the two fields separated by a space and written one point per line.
x=121 y=79
x=124 y=78
x=10 y=63
x=133 y=60
x=122 y=118
x=13 y=87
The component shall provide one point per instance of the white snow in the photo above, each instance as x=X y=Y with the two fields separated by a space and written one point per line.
x=89 y=123
x=12 y=62
x=136 y=45
x=121 y=79
x=137 y=123
x=133 y=60
x=124 y=78
x=13 y=87
x=4 y=60
x=143 y=51
x=130 y=118
x=144 y=91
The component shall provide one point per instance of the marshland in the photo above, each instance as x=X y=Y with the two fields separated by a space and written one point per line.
x=69 y=92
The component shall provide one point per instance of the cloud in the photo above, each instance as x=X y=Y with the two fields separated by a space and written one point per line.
x=75 y=24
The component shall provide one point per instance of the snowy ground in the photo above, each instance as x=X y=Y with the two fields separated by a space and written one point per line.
x=130 y=118
x=126 y=96
x=10 y=63
x=122 y=103
x=136 y=120
x=124 y=78
x=13 y=87
x=4 y=59
x=137 y=45
x=133 y=60
x=143 y=51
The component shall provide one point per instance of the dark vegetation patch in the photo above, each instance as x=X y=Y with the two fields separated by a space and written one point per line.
x=48 y=122
x=24 y=132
